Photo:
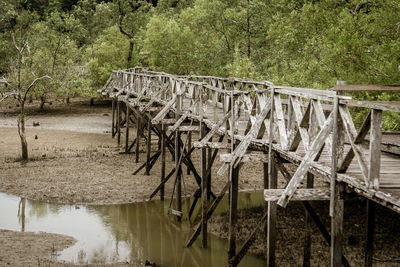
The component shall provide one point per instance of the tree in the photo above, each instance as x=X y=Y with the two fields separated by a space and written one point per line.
x=20 y=80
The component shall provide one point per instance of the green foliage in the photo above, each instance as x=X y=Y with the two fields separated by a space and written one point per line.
x=110 y=54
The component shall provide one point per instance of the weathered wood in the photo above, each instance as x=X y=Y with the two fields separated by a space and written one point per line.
x=352 y=134
x=375 y=148
x=233 y=200
x=210 y=211
x=344 y=165
x=151 y=160
x=271 y=214
x=127 y=115
x=246 y=158
x=299 y=195
x=242 y=147
x=163 y=161
x=113 y=118
x=157 y=119
x=138 y=133
x=369 y=244
x=148 y=152
x=119 y=122
x=185 y=128
x=161 y=185
x=337 y=226
x=306 y=162
x=213 y=145
x=308 y=226
x=214 y=129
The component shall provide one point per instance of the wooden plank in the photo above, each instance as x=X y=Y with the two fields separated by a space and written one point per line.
x=375 y=148
x=214 y=129
x=164 y=111
x=185 y=128
x=213 y=145
x=246 y=158
x=306 y=162
x=299 y=195
x=366 y=87
x=280 y=121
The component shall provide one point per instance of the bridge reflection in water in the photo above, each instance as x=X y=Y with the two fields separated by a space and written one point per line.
x=113 y=233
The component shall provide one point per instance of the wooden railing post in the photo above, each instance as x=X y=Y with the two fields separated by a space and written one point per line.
x=375 y=148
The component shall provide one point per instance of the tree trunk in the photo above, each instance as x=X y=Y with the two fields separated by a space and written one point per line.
x=130 y=52
x=42 y=102
x=21 y=132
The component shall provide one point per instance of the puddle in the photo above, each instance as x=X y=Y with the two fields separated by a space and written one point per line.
x=113 y=233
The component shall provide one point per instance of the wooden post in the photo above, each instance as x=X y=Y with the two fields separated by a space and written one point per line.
x=189 y=146
x=138 y=126
x=272 y=183
x=162 y=160
x=271 y=220
x=204 y=188
x=209 y=166
x=265 y=174
x=127 y=115
x=233 y=199
x=375 y=148
x=337 y=226
x=113 y=118
x=369 y=246
x=308 y=222
x=119 y=122
x=178 y=166
x=148 y=152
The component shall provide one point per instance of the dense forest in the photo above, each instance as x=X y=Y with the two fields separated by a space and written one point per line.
x=309 y=43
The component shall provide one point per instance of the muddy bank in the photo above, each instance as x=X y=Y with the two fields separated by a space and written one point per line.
x=21 y=249
x=291 y=234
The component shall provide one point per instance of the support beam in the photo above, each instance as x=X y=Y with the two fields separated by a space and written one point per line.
x=113 y=118
x=163 y=161
x=308 y=226
x=299 y=195
x=233 y=201
x=148 y=152
x=204 y=188
x=337 y=226
x=271 y=219
x=369 y=246
x=375 y=148
x=127 y=115
x=138 y=133
x=118 y=122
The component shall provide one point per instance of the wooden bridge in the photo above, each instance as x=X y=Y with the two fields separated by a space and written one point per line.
x=261 y=122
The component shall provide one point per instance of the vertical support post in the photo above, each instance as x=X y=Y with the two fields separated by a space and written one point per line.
x=204 y=179
x=375 y=148
x=336 y=208
x=308 y=225
x=266 y=178
x=119 y=121
x=271 y=220
x=369 y=246
x=209 y=165
x=178 y=166
x=337 y=226
x=163 y=133
x=148 y=152
x=138 y=126
x=233 y=192
x=189 y=146
x=113 y=118
x=127 y=118
x=272 y=183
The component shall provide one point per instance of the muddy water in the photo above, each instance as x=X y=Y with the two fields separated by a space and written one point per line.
x=113 y=233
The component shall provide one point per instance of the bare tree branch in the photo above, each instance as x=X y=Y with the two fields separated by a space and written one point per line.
x=33 y=83
x=7 y=95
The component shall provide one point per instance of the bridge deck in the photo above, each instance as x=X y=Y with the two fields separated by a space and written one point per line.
x=312 y=129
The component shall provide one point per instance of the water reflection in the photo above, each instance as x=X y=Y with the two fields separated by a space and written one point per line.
x=112 y=233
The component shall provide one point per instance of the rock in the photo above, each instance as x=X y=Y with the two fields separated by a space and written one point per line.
x=36 y=123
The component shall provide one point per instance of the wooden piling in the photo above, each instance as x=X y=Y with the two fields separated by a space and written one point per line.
x=204 y=189
x=189 y=146
x=233 y=200
x=127 y=115
x=148 y=152
x=369 y=245
x=113 y=118
x=119 y=122
x=271 y=219
x=138 y=125
x=308 y=226
x=163 y=134
x=209 y=166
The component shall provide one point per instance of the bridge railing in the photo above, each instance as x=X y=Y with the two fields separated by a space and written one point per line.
x=312 y=125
